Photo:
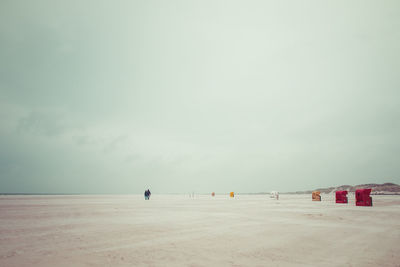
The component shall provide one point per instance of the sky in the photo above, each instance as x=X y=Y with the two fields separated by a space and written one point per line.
x=198 y=96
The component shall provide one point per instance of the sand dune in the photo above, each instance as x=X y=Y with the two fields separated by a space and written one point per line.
x=204 y=231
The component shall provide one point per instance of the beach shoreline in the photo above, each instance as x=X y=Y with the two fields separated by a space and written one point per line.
x=175 y=230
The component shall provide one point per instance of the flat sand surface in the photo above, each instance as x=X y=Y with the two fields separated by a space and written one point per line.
x=175 y=230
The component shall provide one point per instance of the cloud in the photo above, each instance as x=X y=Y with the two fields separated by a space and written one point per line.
x=186 y=95
x=48 y=124
x=113 y=144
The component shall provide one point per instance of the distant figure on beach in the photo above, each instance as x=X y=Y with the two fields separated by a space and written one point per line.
x=147 y=194
x=274 y=194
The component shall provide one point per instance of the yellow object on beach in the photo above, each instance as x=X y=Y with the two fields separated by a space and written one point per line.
x=232 y=194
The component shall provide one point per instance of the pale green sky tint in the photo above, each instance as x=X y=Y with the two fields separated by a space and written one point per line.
x=181 y=96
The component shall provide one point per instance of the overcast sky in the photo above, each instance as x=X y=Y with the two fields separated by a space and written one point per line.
x=182 y=96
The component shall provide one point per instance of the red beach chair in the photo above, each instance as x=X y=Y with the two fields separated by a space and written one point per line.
x=341 y=197
x=363 y=198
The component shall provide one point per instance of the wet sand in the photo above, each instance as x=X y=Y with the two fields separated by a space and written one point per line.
x=175 y=230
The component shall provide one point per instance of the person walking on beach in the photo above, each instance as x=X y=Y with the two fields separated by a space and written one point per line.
x=147 y=194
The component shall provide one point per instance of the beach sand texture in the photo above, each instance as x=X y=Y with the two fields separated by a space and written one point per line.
x=175 y=230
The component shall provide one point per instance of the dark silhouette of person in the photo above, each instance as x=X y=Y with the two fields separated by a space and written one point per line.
x=147 y=194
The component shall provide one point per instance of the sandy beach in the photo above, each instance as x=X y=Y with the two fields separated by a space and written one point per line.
x=175 y=230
